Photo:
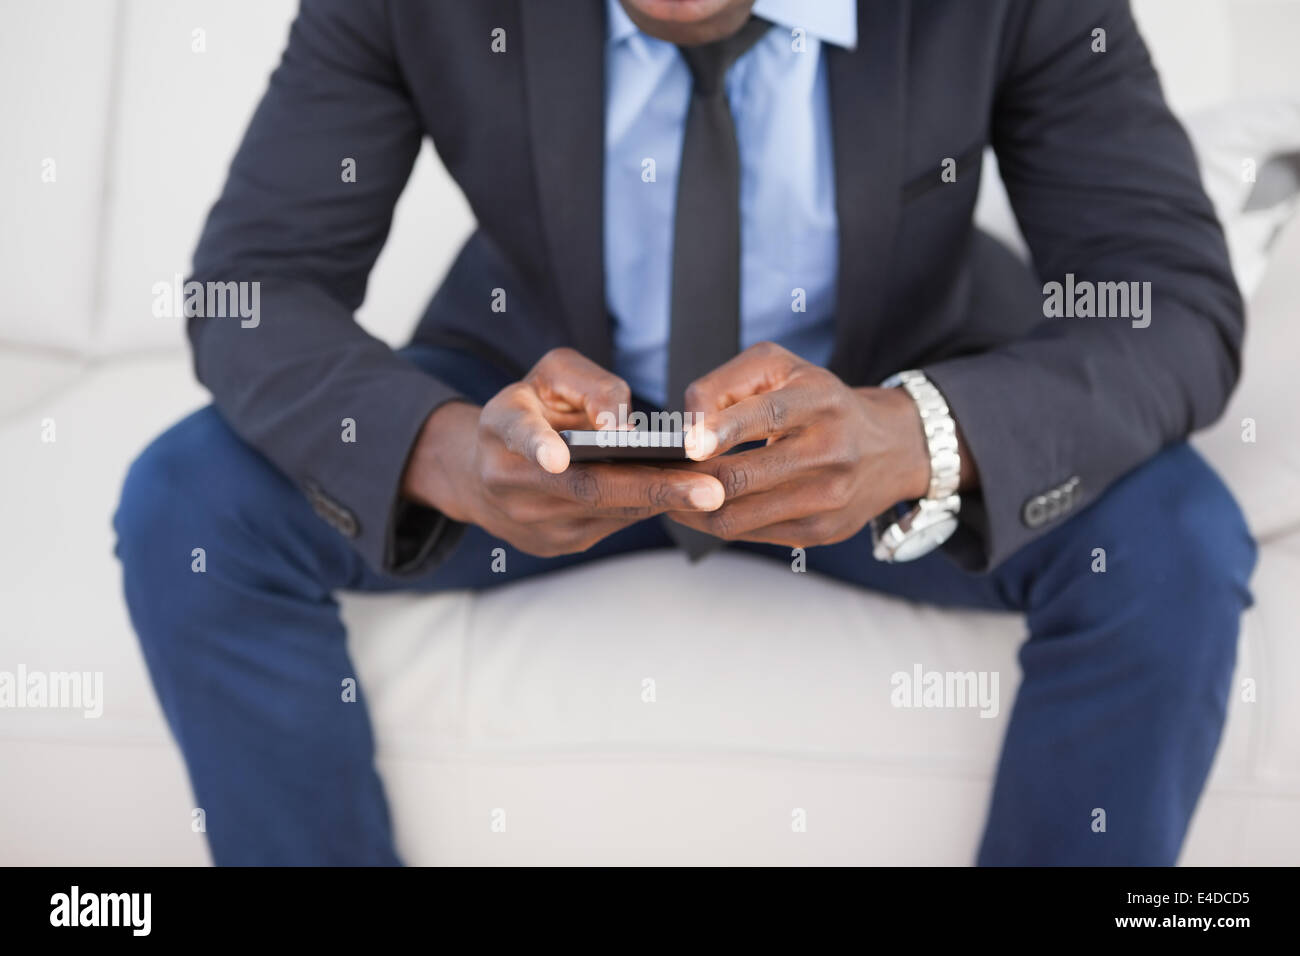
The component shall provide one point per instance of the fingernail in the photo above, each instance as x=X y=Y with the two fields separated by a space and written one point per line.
x=549 y=458
x=706 y=497
x=700 y=442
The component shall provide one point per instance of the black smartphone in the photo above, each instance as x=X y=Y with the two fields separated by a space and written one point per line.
x=614 y=444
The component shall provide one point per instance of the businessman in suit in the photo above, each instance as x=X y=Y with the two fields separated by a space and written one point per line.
x=760 y=212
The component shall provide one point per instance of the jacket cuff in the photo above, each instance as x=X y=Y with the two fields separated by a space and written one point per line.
x=358 y=490
x=421 y=538
x=989 y=408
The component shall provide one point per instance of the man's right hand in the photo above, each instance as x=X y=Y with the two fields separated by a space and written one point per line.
x=505 y=468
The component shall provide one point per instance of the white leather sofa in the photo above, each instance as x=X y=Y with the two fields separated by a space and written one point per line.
x=771 y=690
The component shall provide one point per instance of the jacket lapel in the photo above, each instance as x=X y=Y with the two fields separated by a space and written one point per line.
x=868 y=98
x=564 y=66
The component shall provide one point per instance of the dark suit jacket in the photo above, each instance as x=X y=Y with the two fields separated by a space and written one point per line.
x=1101 y=177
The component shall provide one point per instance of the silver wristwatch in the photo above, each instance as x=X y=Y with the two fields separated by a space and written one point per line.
x=931 y=521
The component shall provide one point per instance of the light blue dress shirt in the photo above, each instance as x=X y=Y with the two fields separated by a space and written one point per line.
x=789 y=233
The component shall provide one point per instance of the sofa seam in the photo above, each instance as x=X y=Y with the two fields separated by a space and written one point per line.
x=113 y=109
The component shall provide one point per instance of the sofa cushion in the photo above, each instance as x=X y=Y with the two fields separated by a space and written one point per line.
x=1238 y=146
x=56 y=70
x=1211 y=51
x=190 y=76
x=1255 y=445
x=163 y=183
x=30 y=377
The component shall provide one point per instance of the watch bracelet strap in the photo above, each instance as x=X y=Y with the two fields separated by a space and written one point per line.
x=940 y=432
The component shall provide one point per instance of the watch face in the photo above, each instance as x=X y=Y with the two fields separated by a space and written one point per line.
x=923 y=538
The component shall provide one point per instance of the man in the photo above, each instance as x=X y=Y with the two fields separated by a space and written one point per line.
x=758 y=212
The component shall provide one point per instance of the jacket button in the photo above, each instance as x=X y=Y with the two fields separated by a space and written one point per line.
x=1050 y=505
x=347 y=523
x=334 y=514
x=1035 y=511
x=1068 y=496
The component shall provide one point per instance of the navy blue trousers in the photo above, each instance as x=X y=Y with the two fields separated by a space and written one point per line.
x=1123 y=698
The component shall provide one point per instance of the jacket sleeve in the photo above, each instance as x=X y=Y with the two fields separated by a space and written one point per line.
x=294 y=220
x=1105 y=187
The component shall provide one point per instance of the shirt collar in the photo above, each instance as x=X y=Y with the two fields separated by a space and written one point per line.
x=620 y=24
x=833 y=21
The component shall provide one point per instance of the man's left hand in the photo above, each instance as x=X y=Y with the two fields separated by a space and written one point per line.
x=834 y=456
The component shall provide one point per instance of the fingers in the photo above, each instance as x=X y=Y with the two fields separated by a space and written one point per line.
x=565 y=537
x=564 y=390
x=814 y=530
x=760 y=368
x=762 y=469
x=567 y=381
x=634 y=490
x=768 y=415
x=793 y=490
x=742 y=516
x=773 y=517
x=516 y=416
x=761 y=393
x=515 y=419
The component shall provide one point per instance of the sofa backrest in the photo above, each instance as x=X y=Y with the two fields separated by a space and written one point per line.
x=139 y=104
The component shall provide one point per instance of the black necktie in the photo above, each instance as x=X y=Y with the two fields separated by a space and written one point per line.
x=705 y=330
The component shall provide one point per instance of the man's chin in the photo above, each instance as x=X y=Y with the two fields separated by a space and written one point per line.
x=689 y=21
x=681 y=11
